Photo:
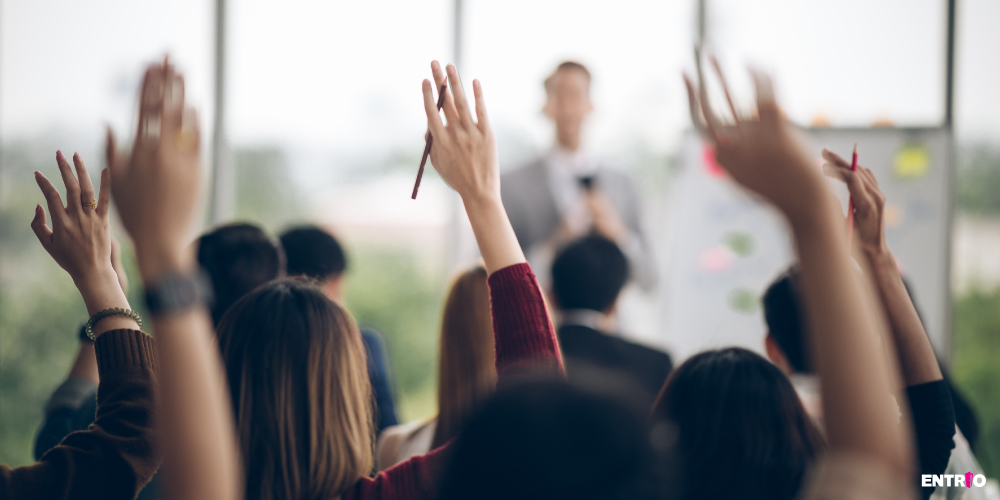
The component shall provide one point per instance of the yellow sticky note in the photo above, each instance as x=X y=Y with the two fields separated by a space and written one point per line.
x=912 y=161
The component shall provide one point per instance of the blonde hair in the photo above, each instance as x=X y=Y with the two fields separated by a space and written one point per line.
x=467 y=373
x=301 y=394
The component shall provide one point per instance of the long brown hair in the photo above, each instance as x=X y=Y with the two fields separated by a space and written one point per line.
x=467 y=373
x=301 y=395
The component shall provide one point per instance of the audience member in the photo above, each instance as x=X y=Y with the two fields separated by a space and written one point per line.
x=238 y=258
x=568 y=192
x=549 y=439
x=587 y=278
x=466 y=375
x=869 y=454
x=313 y=252
x=299 y=390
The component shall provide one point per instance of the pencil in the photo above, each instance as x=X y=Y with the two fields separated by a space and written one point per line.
x=427 y=146
x=850 y=204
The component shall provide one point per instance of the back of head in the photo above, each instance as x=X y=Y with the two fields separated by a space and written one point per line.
x=313 y=252
x=785 y=320
x=741 y=424
x=238 y=258
x=467 y=375
x=589 y=273
x=546 y=439
x=300 y=390
x=568 y=66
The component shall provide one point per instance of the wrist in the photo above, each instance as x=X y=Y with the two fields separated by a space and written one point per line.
x=100 y=290
x=481 y=201
x=158 y=260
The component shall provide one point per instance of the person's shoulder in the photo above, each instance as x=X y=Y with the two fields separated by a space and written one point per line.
x=642 y=351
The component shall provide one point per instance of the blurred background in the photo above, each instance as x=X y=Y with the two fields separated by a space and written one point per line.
x=322 y=121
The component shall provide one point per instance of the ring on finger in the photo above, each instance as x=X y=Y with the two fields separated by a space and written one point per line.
x=91 y=204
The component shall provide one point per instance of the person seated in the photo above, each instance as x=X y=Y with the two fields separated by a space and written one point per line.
x=313 y=252
x=927 y=392
x=466 y=375
x=587 y=278
x=298 y=381
x=868 y=453
x=236 y=258
x=549 y=439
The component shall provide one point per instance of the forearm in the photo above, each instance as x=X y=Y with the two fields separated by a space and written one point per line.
x=101 y=290
x=200 y=449
x=916 y=356
x=855 y=379
x=494 y=234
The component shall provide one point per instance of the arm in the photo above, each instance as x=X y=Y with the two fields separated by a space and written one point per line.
x=115 y=457
x=156 y=190
x=927 y=393
x=764 y=156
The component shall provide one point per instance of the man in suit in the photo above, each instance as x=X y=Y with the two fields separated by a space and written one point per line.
x=587 y=277
x=568 y=193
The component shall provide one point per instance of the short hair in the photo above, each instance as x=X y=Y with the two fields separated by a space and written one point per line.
x=737 y=412
x=238 y=258
x=589 y=273
x=785 y=320
x=568 y=441
x=567 y=66
x=313 y=252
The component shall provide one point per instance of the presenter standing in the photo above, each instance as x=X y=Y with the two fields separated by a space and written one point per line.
x=568 y=193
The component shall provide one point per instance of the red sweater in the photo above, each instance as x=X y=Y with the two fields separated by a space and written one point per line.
x=115 y=457
x=523 y=335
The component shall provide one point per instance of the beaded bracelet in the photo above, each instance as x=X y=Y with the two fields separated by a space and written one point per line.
x=114 y=311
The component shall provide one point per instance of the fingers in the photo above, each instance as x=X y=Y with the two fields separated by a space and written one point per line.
x=835 y=172
x=430 y=106
x=188 y=137
x=74 y=205
x=104 y=197
x=695 y=108
x=767 y=108
x=450 y=111
x=86 y=187
x=462 y=105
x=725 y=87
x=173 y=104
x=52 y=198
x=481 y=117
x=711 y=121
x=42 y=231
x=150 y=108
x=835 y=159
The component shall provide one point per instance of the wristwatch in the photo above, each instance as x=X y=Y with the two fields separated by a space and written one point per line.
x=177 y=292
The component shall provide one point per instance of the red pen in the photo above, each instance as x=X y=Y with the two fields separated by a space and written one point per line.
x=427 y=147
x=850 y=204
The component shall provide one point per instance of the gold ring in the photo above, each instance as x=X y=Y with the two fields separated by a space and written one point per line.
x=92 y=204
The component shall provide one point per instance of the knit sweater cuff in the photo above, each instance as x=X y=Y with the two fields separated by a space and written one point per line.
x=521 y=324
x=123 y=349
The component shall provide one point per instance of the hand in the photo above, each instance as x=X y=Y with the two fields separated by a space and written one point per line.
x=607 y=222
x=80 y=237
x=156 y=185
x=116 y=264
x=869 y=202
x=761 y=154
x=464 y=151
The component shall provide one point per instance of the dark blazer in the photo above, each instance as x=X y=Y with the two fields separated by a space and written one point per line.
x=583 y=346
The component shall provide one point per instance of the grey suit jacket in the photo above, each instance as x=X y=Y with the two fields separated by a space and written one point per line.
x=531 y=206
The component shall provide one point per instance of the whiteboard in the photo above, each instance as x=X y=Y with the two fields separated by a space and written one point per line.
x=726 y=246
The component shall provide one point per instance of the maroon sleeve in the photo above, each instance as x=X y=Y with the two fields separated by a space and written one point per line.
x=521 y=325
x=524 y=338
x=115 y=457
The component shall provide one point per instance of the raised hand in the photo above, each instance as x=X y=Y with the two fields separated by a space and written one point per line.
x=156 y=185
x=761 y=153
x=869 y=202
x=464 y=150
x=80 y=237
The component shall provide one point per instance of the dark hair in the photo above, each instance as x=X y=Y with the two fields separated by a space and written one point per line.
x=547 y=439
x=589 y=273
x=238 y=258
x=741 y=424
x=313 y=252
x=301 y=397
x=567 y=66
x=785 y=320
